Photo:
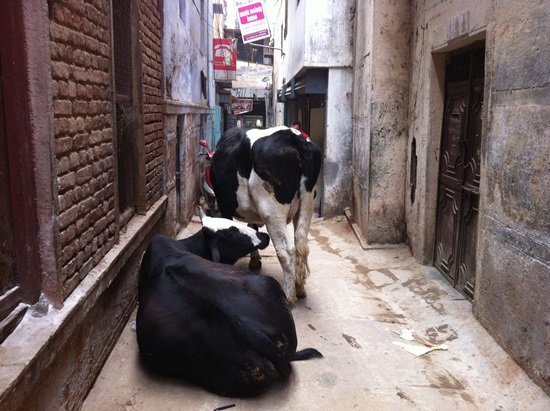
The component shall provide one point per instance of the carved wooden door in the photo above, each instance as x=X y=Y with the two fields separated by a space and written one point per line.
x=459 y=175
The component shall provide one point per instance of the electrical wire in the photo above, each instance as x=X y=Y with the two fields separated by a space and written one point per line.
x=203 y=19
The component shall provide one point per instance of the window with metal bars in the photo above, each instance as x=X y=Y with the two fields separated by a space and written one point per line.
x=125 y=115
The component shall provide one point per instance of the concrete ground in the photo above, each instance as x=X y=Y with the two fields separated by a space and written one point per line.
x=358 y=303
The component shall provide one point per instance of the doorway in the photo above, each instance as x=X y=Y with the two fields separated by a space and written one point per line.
x=459 y=172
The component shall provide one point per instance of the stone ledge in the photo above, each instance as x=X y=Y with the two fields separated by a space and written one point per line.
x=37 y=343
x=178 y=107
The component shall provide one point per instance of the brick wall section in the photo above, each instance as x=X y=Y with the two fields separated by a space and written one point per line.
x=82 y=108
x=150 y=35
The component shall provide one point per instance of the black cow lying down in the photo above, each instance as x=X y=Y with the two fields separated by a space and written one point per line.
x=214 y=324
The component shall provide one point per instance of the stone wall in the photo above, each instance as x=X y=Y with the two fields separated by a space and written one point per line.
x=512 y=296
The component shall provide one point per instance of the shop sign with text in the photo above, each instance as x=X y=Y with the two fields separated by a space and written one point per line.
x=253 y=21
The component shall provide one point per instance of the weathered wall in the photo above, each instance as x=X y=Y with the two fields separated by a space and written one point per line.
x=512 y=296
x=185 y=107
x=185 y=49
x=51 y=359
x=361 y=119
x=319 y=34
x=82 y=110
x=337 y=164
x=294 y=43
x=184 y=199
x=380 y=119
x=328 y=32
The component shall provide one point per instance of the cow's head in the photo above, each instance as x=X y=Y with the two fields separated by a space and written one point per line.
x=230 y=240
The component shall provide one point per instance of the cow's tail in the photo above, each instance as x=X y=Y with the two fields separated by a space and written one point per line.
x=301 y=231
x=311 y=157
x=306 y=354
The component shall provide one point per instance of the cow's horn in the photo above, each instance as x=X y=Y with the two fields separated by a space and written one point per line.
x=202 y=214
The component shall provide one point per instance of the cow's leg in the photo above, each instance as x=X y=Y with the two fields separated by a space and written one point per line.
x=255 y=262
x=285 y=253
x=274 y=215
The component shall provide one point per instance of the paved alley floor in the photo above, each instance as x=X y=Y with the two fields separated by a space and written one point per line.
x=358 y=304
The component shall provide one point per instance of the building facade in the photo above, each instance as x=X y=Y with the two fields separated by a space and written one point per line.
x=434 y=132
x=188 y=100
x=313 y=80
x=102 y=105
x=451 y=153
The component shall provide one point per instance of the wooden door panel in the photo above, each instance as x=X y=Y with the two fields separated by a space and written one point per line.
x=446 y=227
x=473 y=148
x=460 y=170
x=454 y=125
x=465 y=280
x=452 y=163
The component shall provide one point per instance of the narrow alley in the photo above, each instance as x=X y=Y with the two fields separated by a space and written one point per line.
x=426 y=123
x=358 y=304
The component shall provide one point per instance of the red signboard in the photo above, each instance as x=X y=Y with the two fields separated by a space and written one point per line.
x=225 y=59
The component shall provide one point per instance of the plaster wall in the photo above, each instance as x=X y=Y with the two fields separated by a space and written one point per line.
x=337 y=162
x=319 y=35
x=328 y=33
x=186 y=47
x=294 y=43
x=381 y=82
x=361 y=120
x=184 y=56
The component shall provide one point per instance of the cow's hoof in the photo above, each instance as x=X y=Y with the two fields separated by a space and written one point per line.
x=255 y=264
x=300 y=291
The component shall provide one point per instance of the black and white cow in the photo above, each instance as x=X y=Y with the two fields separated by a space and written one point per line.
x=267 y=176
x=215 y=325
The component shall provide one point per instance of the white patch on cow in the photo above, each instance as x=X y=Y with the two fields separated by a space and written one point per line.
x=243 y=196
x=216 y=224
x=263 y=197
x=255 y=134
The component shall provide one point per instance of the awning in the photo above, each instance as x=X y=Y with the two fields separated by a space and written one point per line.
x=314 y=81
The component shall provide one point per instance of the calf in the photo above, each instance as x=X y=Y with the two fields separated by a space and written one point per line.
x=267 y=177
x=216 y=325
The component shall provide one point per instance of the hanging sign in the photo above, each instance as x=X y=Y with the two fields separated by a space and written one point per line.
x=253 y=21
x=242 y=105
x=225 y=60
